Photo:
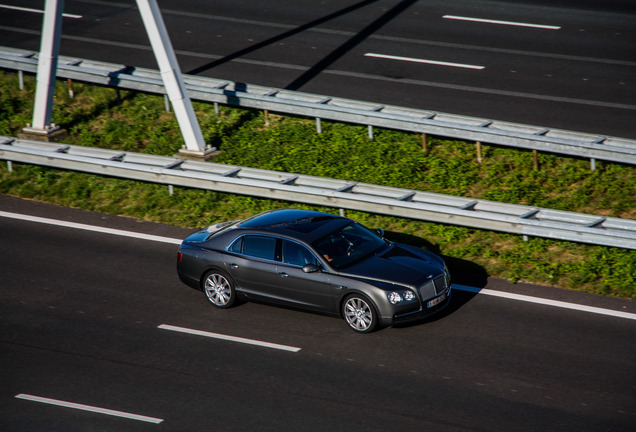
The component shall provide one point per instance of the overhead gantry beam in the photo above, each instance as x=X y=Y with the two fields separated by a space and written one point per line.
x=47 y=71
x=43 y=129
x=171 y=76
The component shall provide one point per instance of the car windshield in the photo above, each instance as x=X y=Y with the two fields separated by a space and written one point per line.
x=349 y=244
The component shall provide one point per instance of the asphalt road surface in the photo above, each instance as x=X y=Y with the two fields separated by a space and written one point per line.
x=557 y=64
x=97 y=334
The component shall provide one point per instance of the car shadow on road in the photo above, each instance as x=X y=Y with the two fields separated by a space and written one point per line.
x=463 y=272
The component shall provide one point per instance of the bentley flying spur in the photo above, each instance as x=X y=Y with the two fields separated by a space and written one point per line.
x=316 y=262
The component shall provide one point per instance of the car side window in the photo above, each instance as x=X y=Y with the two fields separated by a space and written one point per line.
x=237 y=246
x=297 y=254
x=259 y=246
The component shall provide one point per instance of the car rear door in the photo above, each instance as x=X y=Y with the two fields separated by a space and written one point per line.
x=251 y=261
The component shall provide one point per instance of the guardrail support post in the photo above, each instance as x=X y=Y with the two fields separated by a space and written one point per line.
x=21 y=80
x=593 y=164
x=10 y=166
x=425 y=143
x=318 y=125
x=479 y=157
x=42 y=128
x=173 y=81
x=535 y=159
x=371 y=132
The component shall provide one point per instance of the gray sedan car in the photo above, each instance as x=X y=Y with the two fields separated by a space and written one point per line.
x=316 y=262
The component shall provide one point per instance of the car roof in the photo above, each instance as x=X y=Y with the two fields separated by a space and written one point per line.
x=305 y=225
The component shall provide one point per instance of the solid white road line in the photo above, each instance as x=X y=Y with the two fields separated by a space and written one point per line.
x=23 y=9
x=89 y=408
x=510 y=23
x=229 y=338
x=511 y=296
x=416 y=60
x=102 y=230
x=538 y=300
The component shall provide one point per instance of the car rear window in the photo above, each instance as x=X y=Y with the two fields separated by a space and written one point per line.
x=259 y=246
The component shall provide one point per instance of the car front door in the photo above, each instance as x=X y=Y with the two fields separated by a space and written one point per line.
x=311 y=290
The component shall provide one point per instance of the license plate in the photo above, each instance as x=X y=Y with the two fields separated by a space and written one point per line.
x=436 y=301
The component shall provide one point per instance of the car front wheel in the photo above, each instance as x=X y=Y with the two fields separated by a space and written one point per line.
x=219 y=289
x=360 y=314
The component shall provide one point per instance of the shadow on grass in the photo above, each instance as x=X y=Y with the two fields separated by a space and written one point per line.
x=98 y=109
x=244 y=116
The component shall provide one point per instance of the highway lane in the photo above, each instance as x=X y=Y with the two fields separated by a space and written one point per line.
x=579 y=76
x=80 y=317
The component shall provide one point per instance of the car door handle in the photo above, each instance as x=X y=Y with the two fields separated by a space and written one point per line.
x=233 y=266
x=283 y=274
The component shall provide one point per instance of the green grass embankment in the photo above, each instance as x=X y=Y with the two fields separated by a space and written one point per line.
x=138 y=122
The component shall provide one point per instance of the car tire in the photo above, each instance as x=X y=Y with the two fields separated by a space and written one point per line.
x=219 y=289
x=359 y=313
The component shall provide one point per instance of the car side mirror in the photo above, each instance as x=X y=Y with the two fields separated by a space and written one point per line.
x=380 y=231
x=311 y=268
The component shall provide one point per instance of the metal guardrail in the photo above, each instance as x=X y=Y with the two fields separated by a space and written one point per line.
x=589 y=146
x=488 y=215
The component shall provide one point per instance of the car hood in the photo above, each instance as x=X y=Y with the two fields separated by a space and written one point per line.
x=401 y=264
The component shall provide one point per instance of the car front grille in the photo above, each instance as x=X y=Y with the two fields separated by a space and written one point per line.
x=434 y=287
x=440 y=284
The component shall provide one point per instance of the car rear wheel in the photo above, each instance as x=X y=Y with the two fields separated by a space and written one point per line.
x=218 y=289
x=360 y=314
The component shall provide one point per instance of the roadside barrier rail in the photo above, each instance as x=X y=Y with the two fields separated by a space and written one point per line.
x=576 y=144
x=412 y=204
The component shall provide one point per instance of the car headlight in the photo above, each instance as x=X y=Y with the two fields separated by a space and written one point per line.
x=396 y=297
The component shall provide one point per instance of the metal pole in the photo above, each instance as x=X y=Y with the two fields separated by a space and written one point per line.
x=47 y=65
x=171 y=75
